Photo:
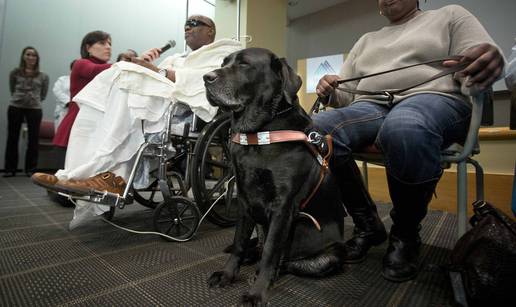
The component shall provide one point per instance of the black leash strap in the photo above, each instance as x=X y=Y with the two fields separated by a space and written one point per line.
x=389 y=95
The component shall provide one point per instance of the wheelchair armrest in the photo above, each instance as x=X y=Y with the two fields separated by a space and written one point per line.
x=471 y=142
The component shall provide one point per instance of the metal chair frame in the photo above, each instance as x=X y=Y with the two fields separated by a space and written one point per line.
x=460 y=154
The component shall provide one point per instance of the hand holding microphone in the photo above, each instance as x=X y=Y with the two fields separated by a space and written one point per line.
x=170 y=44
x=149 y=56
x=154 y=53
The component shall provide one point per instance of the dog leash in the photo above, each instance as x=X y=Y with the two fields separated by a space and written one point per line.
x=388 y=95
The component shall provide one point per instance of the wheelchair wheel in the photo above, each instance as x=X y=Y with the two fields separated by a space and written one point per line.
x=152 y=196
x=149 y=197
x=178 y=218
x=212 y=173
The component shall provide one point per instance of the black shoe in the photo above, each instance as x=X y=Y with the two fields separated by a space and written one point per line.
x=358 y=246
x=9 y=174
x=400 y=263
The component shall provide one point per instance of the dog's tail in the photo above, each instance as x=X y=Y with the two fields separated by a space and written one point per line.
x=327 y=263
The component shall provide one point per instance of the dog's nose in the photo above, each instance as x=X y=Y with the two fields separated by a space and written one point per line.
x=210 y=77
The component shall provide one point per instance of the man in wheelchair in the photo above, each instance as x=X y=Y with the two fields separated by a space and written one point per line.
x=131 y=100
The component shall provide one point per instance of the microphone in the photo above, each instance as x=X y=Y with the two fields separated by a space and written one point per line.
x=170 y=44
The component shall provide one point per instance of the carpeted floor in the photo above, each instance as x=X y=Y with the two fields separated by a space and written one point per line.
x=42 y=263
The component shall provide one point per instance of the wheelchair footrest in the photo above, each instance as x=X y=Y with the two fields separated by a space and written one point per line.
x=98 y=197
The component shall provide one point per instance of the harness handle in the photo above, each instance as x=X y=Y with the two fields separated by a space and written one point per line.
x=389 y=95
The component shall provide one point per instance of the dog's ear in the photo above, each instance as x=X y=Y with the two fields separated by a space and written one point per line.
x=290 y=81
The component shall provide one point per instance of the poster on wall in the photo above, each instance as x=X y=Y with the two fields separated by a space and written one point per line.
x=320 y=66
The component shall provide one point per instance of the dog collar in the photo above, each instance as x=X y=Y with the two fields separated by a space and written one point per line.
x=269 y=137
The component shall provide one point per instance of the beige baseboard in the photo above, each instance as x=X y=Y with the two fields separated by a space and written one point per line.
x=497 y=190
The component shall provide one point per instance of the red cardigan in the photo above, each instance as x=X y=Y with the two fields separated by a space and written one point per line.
x=83 y=71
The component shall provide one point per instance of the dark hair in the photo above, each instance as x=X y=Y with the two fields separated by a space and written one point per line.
x=119 y=57
x=90 y=39
x=22 y=66
x=71 y=64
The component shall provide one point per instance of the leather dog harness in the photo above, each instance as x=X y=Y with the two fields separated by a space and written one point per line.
x=312 y=140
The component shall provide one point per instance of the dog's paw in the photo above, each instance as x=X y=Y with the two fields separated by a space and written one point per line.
x=219 y=279
x=254 y=299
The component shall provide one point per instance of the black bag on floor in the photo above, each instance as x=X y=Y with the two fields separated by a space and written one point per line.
x=483 y=262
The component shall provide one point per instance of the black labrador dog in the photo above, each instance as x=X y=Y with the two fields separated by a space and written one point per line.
x=274 y=179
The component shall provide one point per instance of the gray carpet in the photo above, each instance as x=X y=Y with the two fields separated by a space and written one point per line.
x=42 y=263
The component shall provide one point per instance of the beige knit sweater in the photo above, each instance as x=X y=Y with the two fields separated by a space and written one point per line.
x=430 y=35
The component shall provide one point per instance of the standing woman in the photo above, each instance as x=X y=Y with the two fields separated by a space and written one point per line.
x=95 y=52
x=28 y=88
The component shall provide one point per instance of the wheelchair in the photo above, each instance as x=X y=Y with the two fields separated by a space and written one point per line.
x=191 y=175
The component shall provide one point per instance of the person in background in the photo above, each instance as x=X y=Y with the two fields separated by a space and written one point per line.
x=410 y=128
x=61 y=90
x=28 y=87
x=127 y=55
x=95 y=54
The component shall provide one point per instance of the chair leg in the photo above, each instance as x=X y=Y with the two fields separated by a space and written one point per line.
x=462 y=197
x=479 y=179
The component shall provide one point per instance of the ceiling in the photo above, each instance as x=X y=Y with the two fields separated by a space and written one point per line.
x=299 y=8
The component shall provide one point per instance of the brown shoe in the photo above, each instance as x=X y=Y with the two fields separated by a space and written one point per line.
x=45 y=180
x=102 y=182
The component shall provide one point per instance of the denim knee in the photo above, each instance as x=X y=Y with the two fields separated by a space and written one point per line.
x=412 y=152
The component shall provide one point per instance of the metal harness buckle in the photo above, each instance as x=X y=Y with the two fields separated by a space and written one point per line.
x=315 y=137
x=390 y=98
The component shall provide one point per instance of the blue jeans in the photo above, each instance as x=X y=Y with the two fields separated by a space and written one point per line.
x=410 y=134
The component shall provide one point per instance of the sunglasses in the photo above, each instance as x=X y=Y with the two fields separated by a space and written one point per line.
x=192 y=23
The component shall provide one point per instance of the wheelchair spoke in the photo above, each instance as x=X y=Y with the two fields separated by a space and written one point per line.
x=170 y=228
x=172 y=210
x=188 y=218
x=165 y=220
x=225 y=148
x=182 y=211
x=188 y=229
x=217 y=187
x=216 y=163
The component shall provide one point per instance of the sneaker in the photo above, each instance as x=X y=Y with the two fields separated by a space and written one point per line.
x=100 y=183
x=45 y=180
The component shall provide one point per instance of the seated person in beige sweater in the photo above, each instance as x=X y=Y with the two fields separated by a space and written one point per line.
x=410 y=129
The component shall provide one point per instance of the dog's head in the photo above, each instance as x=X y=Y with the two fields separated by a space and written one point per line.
x=255 y=82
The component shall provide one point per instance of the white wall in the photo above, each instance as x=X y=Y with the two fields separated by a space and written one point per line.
x=56 y=27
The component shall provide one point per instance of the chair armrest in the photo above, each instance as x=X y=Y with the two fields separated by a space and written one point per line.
x=477 y=102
